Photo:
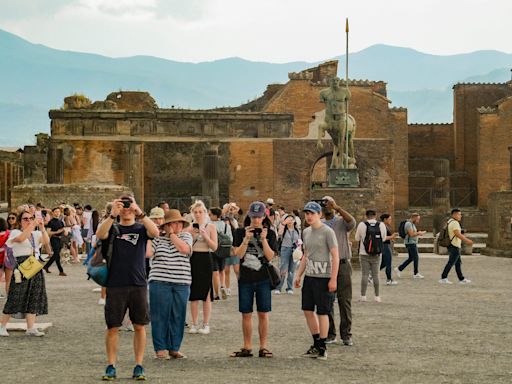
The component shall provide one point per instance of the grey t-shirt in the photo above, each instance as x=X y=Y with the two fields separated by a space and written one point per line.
x=318 y=243
x=341 y=230
x=408 y=239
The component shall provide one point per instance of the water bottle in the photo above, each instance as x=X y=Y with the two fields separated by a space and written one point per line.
x=17 y=276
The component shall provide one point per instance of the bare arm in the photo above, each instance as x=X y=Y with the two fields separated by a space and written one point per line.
x=209 y=235
x=335 y=264
x=458 y=234
x=300 y=270
x=182 y=246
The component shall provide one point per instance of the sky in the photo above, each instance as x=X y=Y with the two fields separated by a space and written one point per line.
x=275 y=31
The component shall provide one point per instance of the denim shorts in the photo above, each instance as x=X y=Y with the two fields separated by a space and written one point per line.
x=260 y=289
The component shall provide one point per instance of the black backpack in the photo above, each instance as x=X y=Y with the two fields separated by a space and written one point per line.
x=401 y=229
x=373 y=239
x=444 y=238
x=224 y=244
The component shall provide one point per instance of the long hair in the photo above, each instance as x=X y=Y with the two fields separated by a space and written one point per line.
x=95 y=218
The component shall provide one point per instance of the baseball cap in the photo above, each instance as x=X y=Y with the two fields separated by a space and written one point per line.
x=313 y=206
x=156 y=213
x=256 y=209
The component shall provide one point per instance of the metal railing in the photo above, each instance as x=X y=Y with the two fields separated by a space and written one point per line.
x=459 y=196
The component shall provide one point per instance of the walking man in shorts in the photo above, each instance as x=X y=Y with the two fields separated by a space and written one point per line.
x=321 y=263
x=127 y=284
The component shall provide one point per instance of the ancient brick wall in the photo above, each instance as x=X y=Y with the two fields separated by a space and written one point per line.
x=495 y=138
x=499 y=242
x=431 y=141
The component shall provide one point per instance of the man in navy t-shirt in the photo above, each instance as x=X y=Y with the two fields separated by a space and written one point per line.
x=126 y=285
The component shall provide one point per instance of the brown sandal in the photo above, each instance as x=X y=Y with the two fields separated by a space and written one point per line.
x=264 y=352
x=242 y=353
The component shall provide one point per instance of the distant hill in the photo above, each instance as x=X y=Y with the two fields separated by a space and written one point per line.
x=35 y=78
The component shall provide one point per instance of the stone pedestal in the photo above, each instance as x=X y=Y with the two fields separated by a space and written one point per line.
x=499 y=242
x=343 y=178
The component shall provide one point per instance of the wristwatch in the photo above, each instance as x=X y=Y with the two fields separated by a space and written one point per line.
x=113 y=217
x=141 y=216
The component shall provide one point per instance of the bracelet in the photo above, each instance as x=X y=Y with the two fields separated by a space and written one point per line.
x=141 y=216
x=113 y=217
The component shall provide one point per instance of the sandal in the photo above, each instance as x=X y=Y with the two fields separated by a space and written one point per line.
x=162 y=356
x=242 y=353
x=264 y=352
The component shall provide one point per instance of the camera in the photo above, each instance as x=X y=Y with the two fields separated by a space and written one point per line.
x=195 y=225
x=126 y=203
x=322 y=202
x=256 y=232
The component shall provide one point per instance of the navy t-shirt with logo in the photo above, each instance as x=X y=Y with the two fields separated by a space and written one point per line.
x=128 y=263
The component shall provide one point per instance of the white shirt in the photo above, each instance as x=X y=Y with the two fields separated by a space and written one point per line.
x=25 y=247
x=86 y=219
x=361 y=234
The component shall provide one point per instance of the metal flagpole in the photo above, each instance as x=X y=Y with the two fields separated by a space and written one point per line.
x=346 y=99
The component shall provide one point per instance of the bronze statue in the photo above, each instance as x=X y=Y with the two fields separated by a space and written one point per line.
x=336 y=102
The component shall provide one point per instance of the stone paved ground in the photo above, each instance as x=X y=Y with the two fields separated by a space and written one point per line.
x=421 y=333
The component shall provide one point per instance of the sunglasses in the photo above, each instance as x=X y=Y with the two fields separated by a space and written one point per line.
x=11 y=218
x=28 y=218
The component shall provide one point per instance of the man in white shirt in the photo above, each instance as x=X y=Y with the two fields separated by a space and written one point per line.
x=370 y=250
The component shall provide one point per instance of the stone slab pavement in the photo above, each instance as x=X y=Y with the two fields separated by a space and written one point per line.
x=422 y=332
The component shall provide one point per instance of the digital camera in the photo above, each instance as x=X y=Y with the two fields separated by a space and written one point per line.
x=322 y=202
x=126 y=203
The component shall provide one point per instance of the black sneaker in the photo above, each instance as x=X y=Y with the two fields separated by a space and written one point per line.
x=138 y=373
x=311 y=352
x=322 y=354
x=110 y=373
x=348 y=342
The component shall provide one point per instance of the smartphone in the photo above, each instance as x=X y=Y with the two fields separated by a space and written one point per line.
x=195 y=225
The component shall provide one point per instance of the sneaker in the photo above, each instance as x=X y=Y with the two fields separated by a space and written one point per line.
x=330 y=340
x=397 y=271
x=391 y=282
x=311 y=352
x=205 y=330
x=277 y=292
x=110 y=373
x=3 y=331
x=128 y=328
x=362 y=298
x=138 y=373
x=101 y=301
x=418 y=276
x=378 y=299
x=348 y=342
x=228 y=291
x=193 y=329
x=322 y=354
x=34 y=332
x=289 y=291
x=445 y=281
x=464 y=281
x=223 y=293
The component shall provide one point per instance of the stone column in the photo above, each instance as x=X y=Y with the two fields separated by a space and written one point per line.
x=441 y=193
x=210 y=186
x=55 y=171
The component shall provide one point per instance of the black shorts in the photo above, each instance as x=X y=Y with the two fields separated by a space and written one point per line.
x=121 y=299
x=315 y=293
x=218 y=263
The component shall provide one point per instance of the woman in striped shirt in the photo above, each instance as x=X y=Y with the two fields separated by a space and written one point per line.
x=169 y=286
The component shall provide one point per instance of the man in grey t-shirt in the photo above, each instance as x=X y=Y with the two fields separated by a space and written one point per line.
x=411 y=243
x=320 y=262
x=342 y=223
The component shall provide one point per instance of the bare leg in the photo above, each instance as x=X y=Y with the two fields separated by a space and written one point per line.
x=194 y=311
x=247 y=329
x=227 y=276
x=112 y=344
x=323 y=321
x=31 y=320
x=312 y=321
x=207 y=310
x=5 y=319
x=263 y=328
x=139 y=343
x=8 y=276
x=216 y=281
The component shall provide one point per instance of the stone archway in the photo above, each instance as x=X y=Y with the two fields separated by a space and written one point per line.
x=319 y=171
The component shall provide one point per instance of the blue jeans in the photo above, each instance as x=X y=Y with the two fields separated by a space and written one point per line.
x=454 y=258
x=412 y=250
x=287 y=268
x=168 y=309
x=387 y=258
x=260 y=290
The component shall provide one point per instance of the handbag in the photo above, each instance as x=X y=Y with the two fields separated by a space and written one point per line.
x=31 y=266
x=272 y=272
x=97 y=269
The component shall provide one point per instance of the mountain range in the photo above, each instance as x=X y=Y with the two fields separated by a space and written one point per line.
x=35 y=78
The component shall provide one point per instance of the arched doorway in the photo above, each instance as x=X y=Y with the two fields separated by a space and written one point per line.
x=319 y=172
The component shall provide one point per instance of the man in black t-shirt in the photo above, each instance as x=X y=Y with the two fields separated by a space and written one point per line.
x=255 y=245
x=126 y=285
x=55 y=227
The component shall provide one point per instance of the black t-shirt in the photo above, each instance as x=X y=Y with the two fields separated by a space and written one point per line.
x=388 y=233
x=128 y=263
x=54 y=225
x=251 y=270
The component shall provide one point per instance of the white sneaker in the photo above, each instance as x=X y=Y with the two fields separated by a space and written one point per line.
x=378 y=299
x=445 y=281
x=223 y=293
x=101 y=301
x=3 y=331
x=128 y=328
x=228 y=291
x=277 y=292
x=289 y=291
x=193 y=328
x=362 y=298
x=418 y=276
x=205 y=330
x=397 y=271
x=34 y=332
x=391 y=282
x=465 y=281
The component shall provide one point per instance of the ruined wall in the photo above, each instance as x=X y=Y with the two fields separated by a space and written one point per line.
x=432 y=141
x=499 y=242
x=11 y=172
x=495 y=138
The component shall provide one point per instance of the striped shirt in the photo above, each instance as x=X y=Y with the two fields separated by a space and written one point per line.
x=168 y=264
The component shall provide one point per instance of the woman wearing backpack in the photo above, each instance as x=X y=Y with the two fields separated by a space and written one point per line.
x=290 y=237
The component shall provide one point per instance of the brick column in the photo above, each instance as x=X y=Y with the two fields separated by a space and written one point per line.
x=210 y=185
x=441 y=193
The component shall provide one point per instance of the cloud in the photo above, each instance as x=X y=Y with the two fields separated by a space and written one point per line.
x=23 y=9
